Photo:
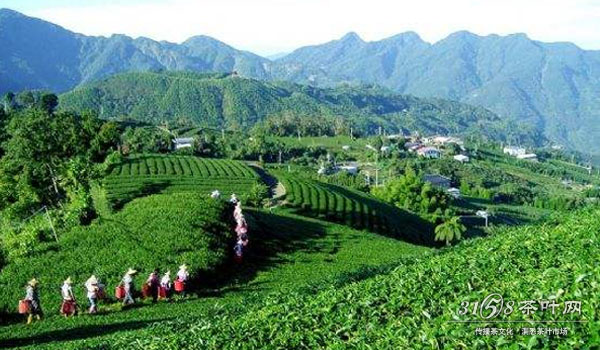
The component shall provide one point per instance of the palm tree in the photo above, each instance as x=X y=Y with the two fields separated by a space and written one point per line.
x=450 y=230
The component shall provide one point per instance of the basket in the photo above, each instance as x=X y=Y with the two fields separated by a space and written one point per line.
x=179 y=286
x=67 y=308
x=24 y=306
x=120 y=292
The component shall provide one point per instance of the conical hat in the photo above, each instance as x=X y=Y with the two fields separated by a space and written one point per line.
x=33 y=282
x=92 y=280
x=168 y=273
x=131 y=271
x=68 y=280
x=183 y=267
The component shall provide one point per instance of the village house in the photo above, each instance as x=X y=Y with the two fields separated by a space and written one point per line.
x=514 y=151
x=412 y=146
x=183 y=142
x=429 y=152
x=445 y=140
x=350 y=169
x=437 y=180
x=528 y=156
x=461 y=158
x=454 y=192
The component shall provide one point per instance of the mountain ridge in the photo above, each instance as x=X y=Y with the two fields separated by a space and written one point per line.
x=554 y=87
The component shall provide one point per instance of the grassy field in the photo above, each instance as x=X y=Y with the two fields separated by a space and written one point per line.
x=141 y=175
x=289 y=253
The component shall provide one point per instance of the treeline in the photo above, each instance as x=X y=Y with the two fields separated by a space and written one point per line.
x=49 y=162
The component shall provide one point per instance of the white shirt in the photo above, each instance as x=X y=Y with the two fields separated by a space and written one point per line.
x=165 y=281
x=67 y=292
x=182 y=275
x=92 y=289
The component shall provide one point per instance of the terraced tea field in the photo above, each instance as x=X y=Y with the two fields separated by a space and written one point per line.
x=353 y=208
x=141 y=175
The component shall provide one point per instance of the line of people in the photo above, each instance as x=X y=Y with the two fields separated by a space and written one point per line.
x=154 y=287
x=241 y=228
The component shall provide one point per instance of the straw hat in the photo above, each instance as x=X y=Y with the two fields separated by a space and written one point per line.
x=131 y=271
x=33 y=282
x=68 y=280
x=168 y=273
x=92 y=280
x=183 y=267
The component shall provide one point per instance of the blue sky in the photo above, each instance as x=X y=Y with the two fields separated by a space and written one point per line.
x=272 y=26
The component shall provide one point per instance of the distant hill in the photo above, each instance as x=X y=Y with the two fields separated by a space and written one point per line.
x=35 y=54
x=224 y=100
x=553 y=88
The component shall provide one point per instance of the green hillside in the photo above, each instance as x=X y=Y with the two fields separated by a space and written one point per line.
x=290 y=253
x=416 y=305
x=235 y=103
x=162 y=231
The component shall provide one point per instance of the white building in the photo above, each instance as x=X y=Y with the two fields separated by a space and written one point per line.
x=461 y=158
x=429 y=152
x=346 y=148
x=514 y=151
x=183 y=142
x=454 y=192
x=528 y=156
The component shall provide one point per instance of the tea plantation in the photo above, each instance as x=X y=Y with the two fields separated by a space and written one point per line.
x=161 y=231
x=140 y=175
x=353 y=208
x=416 y=306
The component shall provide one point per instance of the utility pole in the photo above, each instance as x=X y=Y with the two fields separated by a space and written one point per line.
x=376 y=177
x=351 y=134
x=280 y=156
x=50 y=222
x=222 y=134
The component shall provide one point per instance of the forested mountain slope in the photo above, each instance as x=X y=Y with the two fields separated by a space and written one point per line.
x=224 y=100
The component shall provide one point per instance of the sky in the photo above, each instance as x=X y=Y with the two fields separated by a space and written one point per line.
x=268 y=27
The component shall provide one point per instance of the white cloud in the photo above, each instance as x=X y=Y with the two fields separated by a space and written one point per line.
x=270 y=26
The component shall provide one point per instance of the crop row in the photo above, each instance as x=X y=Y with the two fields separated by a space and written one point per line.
x=182 y=165
x=355 y=209
x=142 y=175
x=418 y=305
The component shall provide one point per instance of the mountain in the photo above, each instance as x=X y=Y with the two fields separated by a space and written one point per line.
x=227 y=100
x=554 y=88
x=36 y=54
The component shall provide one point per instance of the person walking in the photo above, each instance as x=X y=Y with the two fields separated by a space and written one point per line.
x=165 y=286
x=91 y=286
x=238 y=250
x=69 y=306
x=32 y=297
x=182 y=280
x=129 y=287
x=153 y=284
x=233 y=199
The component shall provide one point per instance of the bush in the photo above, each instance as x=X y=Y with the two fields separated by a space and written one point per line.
x=257 y=194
